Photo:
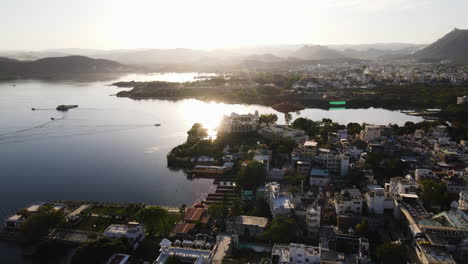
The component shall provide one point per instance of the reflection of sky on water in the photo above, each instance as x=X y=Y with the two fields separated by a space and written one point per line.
x=108 y=148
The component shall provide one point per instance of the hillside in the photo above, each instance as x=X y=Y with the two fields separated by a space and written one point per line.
x=453 y=46
x=317 y=52
x=59 y=65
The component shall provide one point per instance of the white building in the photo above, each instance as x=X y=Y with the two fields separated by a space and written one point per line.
x=197 y=252
x=371 y=133
x=133 y=232
x=236 y=123
x=280 y=204
x=400 y=185
x=283 y=132
x=421 y=174
x=463 y=201
x=295 y=254
x=377 y=200
x=337 y=164
x=313 y=215
x=462 y=99
x=348 y=201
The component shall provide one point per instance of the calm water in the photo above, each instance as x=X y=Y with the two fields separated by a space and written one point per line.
x=108 y=149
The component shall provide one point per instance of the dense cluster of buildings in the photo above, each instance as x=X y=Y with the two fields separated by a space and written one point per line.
x=365 y=76
x=390 y=207
x=338 y=218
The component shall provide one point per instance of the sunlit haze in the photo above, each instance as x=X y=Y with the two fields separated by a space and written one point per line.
x=120 y=24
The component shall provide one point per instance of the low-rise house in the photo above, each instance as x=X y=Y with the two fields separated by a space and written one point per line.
x=246 y=226
x=132 y=231
x=14 y=221
x=197 y=252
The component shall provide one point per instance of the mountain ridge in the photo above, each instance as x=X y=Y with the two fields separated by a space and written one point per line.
x=452 y=46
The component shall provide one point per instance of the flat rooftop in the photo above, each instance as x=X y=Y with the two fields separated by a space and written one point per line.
x=251 y=220
x=310 y=143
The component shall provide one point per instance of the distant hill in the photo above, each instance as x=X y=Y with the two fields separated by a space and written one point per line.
x=453 y=46
x=381 y=54
x=59 y=65
x=317 y=52
x=264 y=58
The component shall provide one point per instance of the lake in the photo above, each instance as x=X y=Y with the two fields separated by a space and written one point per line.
x=109 y=149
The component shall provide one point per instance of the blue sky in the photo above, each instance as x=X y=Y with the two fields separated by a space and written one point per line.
x=125 y=24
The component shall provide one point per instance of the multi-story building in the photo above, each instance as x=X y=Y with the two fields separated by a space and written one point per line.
x=342 y=134
x=309 y=149
x=236 y=123
x=371 y=133
x=377 y=200
x=401 y=185
x=348 y=201
x=283 y=132
x=295 y=254
x=337 y=164
x=280 y=204
x=313 y=215
x=463 y=201
x=319 y=177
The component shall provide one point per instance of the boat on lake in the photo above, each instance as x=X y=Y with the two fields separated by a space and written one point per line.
x=66 y=107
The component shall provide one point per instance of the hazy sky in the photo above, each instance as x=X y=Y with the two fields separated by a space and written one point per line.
x=121 y=24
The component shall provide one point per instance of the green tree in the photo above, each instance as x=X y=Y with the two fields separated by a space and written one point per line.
x=236 y=208
x=432 y=192
x=155 y=219
x=217 y=210
x=197 y=132
x=281 y=230
x=391 y=253
x=287 y=118
x=251 y=176
x=355 y=177
x=362 y=229
x=39 y=224
x=353 y=128
x=293 y=177
x=99 y=251
x=268 y=119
